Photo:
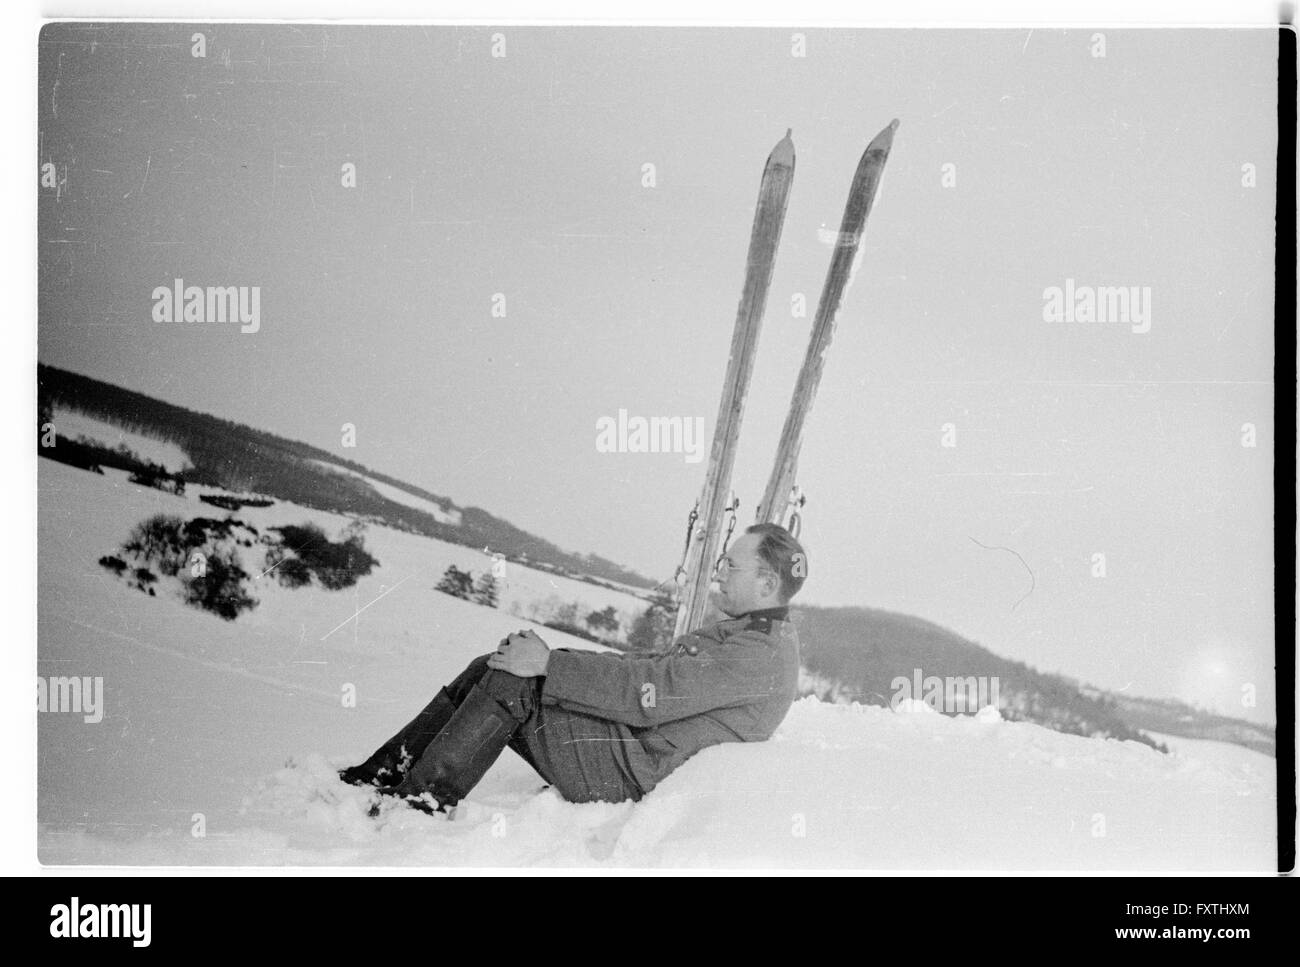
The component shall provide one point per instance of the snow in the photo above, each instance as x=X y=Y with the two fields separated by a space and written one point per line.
x=235 y=729
x=1222 y=754
x=71 y=424
x=435 y=510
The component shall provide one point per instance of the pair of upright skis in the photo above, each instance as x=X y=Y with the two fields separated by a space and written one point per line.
x=780 y=498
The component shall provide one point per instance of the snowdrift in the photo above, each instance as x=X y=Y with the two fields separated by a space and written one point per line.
x=219 y=740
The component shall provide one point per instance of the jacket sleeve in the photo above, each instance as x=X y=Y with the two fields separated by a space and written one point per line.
x=644 y=692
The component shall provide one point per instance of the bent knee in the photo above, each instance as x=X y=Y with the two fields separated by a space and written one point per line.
x=511 y=691
x=476 y=669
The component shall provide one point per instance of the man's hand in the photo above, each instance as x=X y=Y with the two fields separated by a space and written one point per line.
x=523 y=654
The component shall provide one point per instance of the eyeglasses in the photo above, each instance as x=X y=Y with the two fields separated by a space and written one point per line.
x=725 y=566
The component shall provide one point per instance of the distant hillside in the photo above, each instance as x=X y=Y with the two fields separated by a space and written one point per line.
x=244 y=460
x=1178 y=718
x=855 y=654
x=852 y=654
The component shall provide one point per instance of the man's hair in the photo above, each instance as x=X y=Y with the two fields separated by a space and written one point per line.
x=779 y=550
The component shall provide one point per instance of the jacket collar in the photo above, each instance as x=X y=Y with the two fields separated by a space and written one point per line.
x=780 y=613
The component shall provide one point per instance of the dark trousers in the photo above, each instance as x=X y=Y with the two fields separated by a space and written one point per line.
x=522 y=696
x=576 y=754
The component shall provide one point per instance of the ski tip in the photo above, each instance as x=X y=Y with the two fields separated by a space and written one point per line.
x=783 y=153
x=885 y=139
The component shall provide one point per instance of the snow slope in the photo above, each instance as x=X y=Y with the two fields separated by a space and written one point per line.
x=435 y=510
x=74 y=425
x=234 y=729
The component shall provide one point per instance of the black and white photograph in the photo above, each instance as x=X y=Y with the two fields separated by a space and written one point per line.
x=605 y=447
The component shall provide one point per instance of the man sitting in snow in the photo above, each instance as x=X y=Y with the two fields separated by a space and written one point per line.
x=603 y=725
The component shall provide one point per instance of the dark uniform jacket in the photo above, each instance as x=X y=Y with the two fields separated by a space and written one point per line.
x=644 y=714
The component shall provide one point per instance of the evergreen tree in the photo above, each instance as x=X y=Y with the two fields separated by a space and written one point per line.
x=485 y=592
x=457 y=583
x=606 y=620
x=653 y=628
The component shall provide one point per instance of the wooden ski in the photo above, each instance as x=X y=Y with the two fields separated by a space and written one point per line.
x=780 y=495
x=702 y=543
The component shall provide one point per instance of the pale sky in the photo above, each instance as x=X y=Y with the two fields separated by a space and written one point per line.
x=522 y=175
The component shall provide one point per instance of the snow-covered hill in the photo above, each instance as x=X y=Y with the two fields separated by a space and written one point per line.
x=232 y=730
x=74 y=425
x=435 y=510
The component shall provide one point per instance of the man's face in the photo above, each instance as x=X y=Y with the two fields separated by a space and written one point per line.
x=745 y=582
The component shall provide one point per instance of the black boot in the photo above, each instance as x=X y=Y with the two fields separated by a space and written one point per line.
x=462 y=753
x=389 y=763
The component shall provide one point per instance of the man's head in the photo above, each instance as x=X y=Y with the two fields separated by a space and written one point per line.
x=764 y=568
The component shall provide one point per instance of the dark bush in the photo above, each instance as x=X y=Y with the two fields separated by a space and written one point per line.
x=153 y=475
x=653 y=628
x=457 y=583
x=168 y=543
x=295 y=554
x=161 y=540
x=291 y=572
x=221 y=588
x=144 y=578
x=335 y=565
x=606 y=620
